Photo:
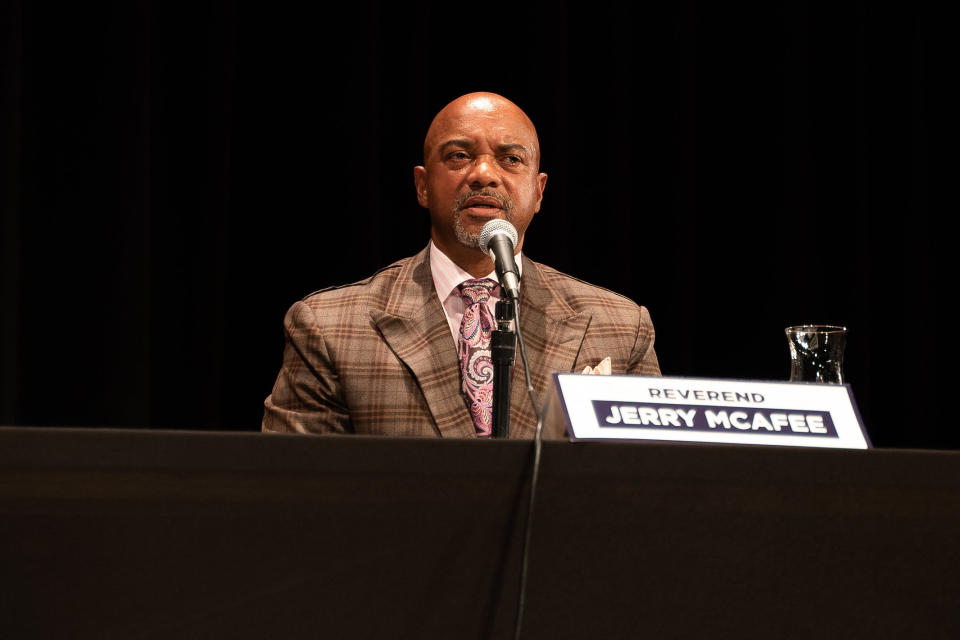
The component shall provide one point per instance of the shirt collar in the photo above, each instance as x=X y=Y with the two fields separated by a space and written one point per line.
x=447 y=274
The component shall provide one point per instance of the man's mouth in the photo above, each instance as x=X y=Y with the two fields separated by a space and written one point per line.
x=482 y=204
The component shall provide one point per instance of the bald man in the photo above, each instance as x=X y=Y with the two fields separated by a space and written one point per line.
x=406 y=351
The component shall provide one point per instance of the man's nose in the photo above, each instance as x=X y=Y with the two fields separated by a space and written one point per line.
x=483 y=173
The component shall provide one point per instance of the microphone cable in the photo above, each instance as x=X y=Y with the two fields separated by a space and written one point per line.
x=534 y=476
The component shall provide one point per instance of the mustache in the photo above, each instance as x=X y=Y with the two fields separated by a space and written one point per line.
x=487 y=193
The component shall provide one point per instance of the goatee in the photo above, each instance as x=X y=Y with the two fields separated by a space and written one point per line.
x=472 y=240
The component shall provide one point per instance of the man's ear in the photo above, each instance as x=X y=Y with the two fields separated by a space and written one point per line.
x=541 y=185
x=420 y=182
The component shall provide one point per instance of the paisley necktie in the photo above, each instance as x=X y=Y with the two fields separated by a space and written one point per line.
x=473 y=347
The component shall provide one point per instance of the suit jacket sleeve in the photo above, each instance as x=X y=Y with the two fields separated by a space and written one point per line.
x=307 y=396
x=643 y=359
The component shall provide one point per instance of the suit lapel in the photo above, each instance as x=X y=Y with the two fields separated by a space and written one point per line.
x=553 y=332
x=415 y=327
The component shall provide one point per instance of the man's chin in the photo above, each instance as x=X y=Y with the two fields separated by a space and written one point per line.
x=467 y=225
x=468 y=232
x=471 y=240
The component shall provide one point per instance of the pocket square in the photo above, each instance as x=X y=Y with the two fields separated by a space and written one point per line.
x=602 y=369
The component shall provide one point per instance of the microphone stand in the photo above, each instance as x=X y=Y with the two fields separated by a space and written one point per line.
x=503 y=345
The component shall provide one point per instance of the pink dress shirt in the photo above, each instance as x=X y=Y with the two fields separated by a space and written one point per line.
x=447 y=276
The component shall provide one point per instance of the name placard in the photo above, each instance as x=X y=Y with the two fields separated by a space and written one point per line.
x=792 y=414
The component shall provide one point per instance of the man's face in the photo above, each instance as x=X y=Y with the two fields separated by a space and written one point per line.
x=481 y=160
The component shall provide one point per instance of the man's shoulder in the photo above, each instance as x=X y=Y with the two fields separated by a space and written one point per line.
x=371 y=291
x=582 y=295
x=370 y=286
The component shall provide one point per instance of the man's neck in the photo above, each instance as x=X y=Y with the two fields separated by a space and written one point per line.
x=472 y=260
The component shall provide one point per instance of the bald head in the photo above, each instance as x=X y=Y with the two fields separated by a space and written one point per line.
x=481 y=161
x=472 y=108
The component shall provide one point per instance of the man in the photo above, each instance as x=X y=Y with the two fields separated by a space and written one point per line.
x=406 y=351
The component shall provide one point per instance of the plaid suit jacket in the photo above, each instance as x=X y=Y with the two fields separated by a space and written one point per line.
x=377 y=357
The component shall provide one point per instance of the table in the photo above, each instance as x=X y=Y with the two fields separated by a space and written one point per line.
x=149 y=534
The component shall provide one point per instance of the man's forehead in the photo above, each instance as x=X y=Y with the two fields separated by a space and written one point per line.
x=471 y=137
x=481 y=117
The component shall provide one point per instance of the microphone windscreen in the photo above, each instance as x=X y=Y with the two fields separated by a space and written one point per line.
x=494 y=228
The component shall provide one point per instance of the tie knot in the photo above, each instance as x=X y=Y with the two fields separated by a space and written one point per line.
x=476 y=291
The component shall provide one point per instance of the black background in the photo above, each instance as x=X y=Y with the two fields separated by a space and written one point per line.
x=174 y=176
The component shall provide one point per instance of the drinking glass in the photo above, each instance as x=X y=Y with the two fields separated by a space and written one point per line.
x=816 y=352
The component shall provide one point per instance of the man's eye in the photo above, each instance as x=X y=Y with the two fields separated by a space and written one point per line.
x=512 y=160
x=458 y=155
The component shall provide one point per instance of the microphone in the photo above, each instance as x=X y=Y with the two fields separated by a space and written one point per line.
x=497 y=239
